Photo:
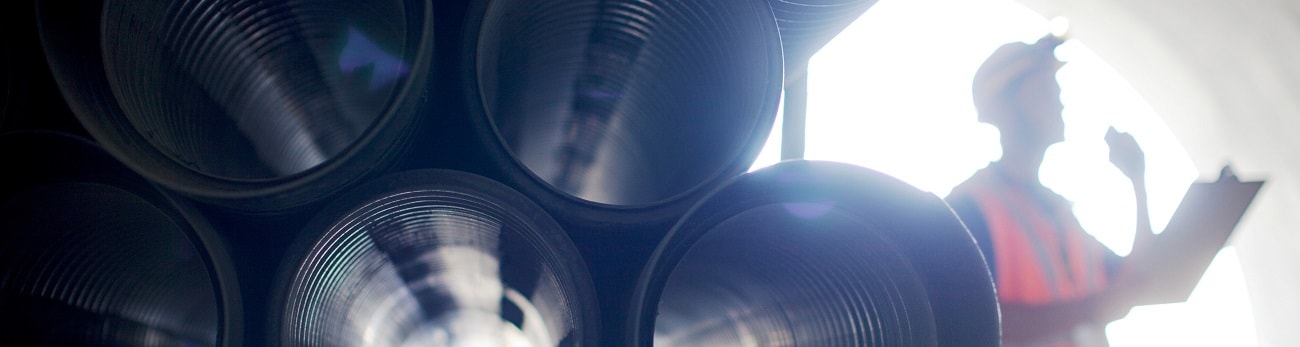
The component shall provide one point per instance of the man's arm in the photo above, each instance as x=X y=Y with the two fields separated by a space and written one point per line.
x=1130 y=160
x=1144 y=235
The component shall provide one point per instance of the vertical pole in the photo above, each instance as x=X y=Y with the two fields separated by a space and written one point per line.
x=796 y=107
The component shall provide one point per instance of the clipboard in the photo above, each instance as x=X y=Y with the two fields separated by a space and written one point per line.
x=1201 y=225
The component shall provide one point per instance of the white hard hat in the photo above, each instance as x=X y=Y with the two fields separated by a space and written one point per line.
x=1005 y=67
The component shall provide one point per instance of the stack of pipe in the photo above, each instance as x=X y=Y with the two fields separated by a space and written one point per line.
x=457 y=173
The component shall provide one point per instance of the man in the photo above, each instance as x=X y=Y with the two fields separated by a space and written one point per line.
x=1057 y=286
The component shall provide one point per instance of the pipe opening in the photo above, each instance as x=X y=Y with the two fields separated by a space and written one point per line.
x=439 y=265
x=629 y=102
x=807 y=253
x=91 y=264
x=794 y=275
x=255 y=90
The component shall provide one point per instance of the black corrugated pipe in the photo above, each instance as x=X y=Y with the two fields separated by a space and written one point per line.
x=620 y=112
x=816 y=254
x=91 y=254
x=29 y=98
x=807 y=25
x=251 y=105
x=10 y=63
x=434 y=257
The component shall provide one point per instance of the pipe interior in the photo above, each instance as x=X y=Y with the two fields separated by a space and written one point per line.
x=91 y=264
x=627 y=102
x=800 y=274
x=435 y=267
x=251 y=90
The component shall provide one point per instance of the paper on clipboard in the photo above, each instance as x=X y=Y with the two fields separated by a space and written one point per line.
x=1198 y=229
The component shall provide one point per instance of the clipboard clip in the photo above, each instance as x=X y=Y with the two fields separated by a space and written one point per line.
x=1226 y=175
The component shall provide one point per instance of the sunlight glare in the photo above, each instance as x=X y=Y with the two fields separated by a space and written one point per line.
x=892 y=93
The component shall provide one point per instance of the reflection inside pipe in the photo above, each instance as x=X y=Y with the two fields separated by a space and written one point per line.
x=458 y=288
x=360 y=52
x=794 y=275
x=628 y=102
x=244 y=89
x=430 y=268
x=460 y=294
x=89 y=264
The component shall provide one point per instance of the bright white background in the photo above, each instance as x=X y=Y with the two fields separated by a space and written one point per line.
x=892 y=93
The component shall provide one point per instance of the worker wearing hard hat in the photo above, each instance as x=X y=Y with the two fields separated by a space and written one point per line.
x=1056 y=285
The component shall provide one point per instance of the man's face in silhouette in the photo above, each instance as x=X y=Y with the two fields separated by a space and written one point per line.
x=1036 y=101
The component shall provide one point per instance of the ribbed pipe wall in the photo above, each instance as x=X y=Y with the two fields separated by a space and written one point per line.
x=435 y=257
x=816 y=254
x=619 y=112
x=255 y=106
x=91 y=255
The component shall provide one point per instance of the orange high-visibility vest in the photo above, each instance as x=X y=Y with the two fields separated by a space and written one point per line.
x=1041 y=253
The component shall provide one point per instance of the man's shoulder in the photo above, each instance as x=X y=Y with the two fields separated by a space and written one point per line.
x=979 y=181
x=1049 y=195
